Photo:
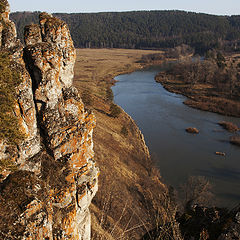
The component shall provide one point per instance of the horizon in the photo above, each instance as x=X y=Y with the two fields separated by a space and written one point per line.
x=220 y=8
x=152 y=10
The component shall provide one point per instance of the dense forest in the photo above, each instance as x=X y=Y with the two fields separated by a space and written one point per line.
x=146 y=29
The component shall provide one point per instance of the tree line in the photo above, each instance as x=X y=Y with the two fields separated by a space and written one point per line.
x=214 y=70
x=146 y=29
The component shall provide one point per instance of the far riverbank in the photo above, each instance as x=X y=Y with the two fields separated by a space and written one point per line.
x=207 y=86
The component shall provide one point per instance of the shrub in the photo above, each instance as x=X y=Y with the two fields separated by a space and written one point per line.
x=9 y=80
x=115 y=110
x=231 y=127
x=197 y=190
x=87 y=98
x=7 y=164
x=109 y=94
x=3 y=6
x=124 y=131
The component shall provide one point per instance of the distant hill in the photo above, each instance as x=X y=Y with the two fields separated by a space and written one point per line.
x=146 y=29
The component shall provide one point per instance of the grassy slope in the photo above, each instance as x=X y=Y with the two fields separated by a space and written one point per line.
x=129 y=186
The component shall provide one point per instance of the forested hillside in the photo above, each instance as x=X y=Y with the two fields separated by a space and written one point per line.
x=146 y=29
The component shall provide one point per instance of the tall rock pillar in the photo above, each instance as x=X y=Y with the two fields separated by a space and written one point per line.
x=47 y=194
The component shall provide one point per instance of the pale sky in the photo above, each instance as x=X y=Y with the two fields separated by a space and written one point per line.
x=218 y=7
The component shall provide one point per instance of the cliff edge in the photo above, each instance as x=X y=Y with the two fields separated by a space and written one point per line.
x=47 y=173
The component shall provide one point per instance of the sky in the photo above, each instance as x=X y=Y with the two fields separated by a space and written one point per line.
x=217 y=7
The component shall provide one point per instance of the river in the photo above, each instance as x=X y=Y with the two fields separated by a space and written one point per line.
x=163 y=118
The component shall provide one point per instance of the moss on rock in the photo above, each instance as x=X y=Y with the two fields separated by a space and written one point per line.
x=3 y=4
x=9 y=80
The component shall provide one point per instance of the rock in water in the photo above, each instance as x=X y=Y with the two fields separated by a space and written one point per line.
x=192 y=130
x=220 y=153
x=48 y=193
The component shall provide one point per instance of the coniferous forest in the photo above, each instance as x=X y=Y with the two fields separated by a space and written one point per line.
x=146 y=29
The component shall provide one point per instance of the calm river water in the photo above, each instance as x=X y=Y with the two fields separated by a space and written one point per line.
x=162 y=117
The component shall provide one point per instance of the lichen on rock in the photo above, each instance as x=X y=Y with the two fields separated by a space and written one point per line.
x=18 y=100
x=54 y=180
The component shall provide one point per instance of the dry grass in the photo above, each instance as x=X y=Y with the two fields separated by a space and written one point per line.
x=95 y=68
x=229 y=126
x=121 y=208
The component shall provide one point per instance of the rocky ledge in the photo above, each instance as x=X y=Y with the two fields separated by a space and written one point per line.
x=48 y=177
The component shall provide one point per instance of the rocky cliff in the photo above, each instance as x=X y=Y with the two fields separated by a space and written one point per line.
x=48 y=176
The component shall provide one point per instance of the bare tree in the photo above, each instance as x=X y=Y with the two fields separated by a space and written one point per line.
x=197 y=190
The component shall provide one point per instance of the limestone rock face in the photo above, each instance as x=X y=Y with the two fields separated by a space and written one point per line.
x=48 y=196
x=24 y=104
x=8 y=34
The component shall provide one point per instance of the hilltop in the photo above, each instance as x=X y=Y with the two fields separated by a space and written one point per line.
x=146 y=29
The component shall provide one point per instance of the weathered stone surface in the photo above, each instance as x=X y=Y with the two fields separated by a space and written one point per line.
x=25 y=106
x=48 y=194
x=8 y=34
x=32 y=34
x=56 y=31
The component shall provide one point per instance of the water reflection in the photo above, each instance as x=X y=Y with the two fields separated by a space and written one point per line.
x=163 y=118
x=223 y=173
